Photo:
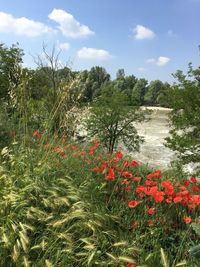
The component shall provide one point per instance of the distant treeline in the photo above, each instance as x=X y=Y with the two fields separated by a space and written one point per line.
x=49 y=76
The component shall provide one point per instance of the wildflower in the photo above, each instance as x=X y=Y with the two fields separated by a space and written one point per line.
x=137 y=179
x=36 y=134
x=111 y=174
x=125 y=181
x=177 y=199
x=134 y=163
x=67 y=146
x=127 y=174
x=82 y=153
x=150 y=222
x=151 y=211
x=195 y=188
x=126 y=164
x=187 y=219
x=119 y=154
x=47 y=146
x=58 y=150
x=193 y=180
x=91 y=151
x=186 y=182
x=132 y=204
x=130 y=265
x=198 y=220
x=115 y=159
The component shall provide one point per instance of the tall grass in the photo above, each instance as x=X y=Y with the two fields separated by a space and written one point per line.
x=61 y=207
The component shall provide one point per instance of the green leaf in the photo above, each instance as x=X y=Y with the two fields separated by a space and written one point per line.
x=164 y=258
x=196 y=228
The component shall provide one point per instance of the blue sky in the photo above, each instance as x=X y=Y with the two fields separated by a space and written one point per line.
x=148 y=38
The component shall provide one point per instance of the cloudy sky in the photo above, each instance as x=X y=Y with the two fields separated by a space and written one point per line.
x=148 y=38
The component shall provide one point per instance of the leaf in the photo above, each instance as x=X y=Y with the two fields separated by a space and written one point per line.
x=196 y=228
x=111 y=256
x=126 y=259
x=164 y=258
x=90 y=258
x=182 y=263
x=195 y=251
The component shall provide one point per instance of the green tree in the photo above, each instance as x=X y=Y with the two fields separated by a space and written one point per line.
x=10 y=70
x=185 y=117
x=138 y=92
x=94 y=79
x=111 y=120
x=151 y=97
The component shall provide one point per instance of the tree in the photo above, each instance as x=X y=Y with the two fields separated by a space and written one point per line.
x=138 y=92
x=155 y=87
x=185 y=117
x=10 y=70
x=111 y=120
x=92 y=81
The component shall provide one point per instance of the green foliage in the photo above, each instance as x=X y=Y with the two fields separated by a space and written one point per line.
x=111 y=120
x=138 y=92
x=155 y=87
x=185 y=117
x=10 y=67
x=57 y=211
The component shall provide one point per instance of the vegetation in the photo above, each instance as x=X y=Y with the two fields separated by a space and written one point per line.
x=111 y=120
x=185 y=117
x=69 y=204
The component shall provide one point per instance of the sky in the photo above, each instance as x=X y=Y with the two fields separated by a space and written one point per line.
x=147 y=38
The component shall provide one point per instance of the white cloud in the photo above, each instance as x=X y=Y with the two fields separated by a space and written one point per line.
x=160 y=61
x=63 y=46
x=93 y=53
x=22 y=26
x=68 y=25
x=142 y=32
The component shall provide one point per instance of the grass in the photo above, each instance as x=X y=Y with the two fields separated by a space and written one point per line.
x=67 y=205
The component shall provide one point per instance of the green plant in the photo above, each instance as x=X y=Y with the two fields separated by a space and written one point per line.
x=111 y=120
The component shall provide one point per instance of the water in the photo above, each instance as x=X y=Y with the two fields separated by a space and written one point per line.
x=152 y=151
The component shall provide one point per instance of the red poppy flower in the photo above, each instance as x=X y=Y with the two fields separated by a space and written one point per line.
x=91 y=151
x=130 y=265
x=111 y=174
x=126 y=164
x=137 y=179
x=58 y=150
x=187 y=219
x=134 y=163
x=132 y=204
x=67 y=146
x=119 y=154
x=150 y=222
x=151 y=211
x=115 y=159
x=186 y=182
x=125 y=181
x=193 y=179
x=195 y=188
x=177 y=199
